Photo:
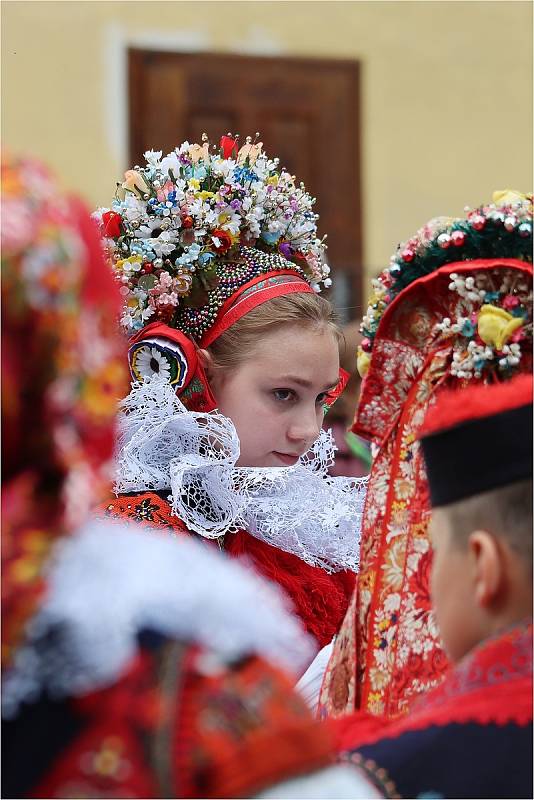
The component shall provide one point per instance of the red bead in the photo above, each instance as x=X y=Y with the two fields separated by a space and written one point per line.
x=366 y=344
x=187 y=222
x=478 y=222
x=457 y=238
x=148 y=269
x=407 y=255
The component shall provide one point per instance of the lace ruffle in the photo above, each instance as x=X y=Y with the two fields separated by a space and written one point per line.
x=299 y=509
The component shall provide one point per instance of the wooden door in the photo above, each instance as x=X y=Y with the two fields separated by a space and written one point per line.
x=307 y=112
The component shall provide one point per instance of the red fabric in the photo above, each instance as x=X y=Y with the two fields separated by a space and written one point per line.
x=62 y=372
x=388 y=651
x=168 y=728
x=334 y=393
x=320 y=599
x=186 y=344
x=477 y=402
x=493 y=684
x=241 y=730
x=195 y=394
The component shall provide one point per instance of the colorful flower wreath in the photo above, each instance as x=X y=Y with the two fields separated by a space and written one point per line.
x=174 y=220
x=494 y=323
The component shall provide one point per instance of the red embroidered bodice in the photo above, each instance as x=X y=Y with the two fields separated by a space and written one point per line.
x=320 y=599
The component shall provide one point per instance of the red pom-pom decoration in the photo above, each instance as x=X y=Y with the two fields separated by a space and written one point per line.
x=457 y=238
x=407 y=255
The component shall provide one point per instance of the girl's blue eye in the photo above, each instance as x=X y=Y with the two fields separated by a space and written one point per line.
x=284 y=395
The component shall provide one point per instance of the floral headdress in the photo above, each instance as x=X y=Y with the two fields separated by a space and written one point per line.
x=494 y=323
x=199 y=237
x=178 y=225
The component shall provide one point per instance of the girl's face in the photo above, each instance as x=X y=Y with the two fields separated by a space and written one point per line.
x=275 y=398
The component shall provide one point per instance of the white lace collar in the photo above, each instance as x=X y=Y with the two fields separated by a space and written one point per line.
x=300 y=509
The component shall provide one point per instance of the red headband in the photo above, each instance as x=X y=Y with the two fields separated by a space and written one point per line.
x=254 y=293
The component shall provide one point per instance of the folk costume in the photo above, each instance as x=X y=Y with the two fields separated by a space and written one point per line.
x=126 y=672
x=454 y=306
x=198 y=239
x=472 y=735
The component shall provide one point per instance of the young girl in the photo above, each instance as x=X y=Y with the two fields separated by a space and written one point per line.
x=148 y=680
x=220 y=270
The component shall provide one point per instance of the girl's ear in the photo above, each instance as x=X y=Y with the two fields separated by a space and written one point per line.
x=488 y=567
x=212 y=374
x=206 y=360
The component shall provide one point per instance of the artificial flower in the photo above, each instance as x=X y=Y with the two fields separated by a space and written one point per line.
x=111 y=224
x=250 y=151
x=135 y=182
x=228 y=146
x=199 y=153
x=496 y=326
x=173 y=211
x=222 y=241
x=508 y=197
x=363 y=360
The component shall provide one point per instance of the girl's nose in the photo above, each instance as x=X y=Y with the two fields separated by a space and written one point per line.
x=305 y=428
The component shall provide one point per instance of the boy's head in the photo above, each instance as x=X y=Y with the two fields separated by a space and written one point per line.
x=477 y=445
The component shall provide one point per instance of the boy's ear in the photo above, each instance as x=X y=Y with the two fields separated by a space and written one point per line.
x=488 y=567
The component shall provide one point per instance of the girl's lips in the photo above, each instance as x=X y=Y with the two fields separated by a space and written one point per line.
x=287 y=459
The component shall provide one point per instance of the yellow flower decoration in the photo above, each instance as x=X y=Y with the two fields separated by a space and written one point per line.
x=130 y=260
x=363 y=360
x=194 y=183
x=506 y=197
x=204 y=195
x=495 y=326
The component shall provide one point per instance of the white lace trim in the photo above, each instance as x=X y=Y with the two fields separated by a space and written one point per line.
x=112 y=580
x=300 y=509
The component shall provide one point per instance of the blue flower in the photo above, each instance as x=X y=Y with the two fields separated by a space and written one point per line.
x=243 y=174
x=519 y=311
x=206 y=257
x=270 y=237
x=491 y=297
x=199 y=171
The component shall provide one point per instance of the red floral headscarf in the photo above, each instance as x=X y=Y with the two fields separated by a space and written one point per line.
x=62 y=374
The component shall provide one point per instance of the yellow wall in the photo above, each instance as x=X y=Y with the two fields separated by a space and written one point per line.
x=446 y=92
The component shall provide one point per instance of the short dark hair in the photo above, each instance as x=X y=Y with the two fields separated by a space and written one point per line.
x=505 y=512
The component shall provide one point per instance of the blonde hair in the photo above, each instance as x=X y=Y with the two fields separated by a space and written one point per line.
x=238 y=343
